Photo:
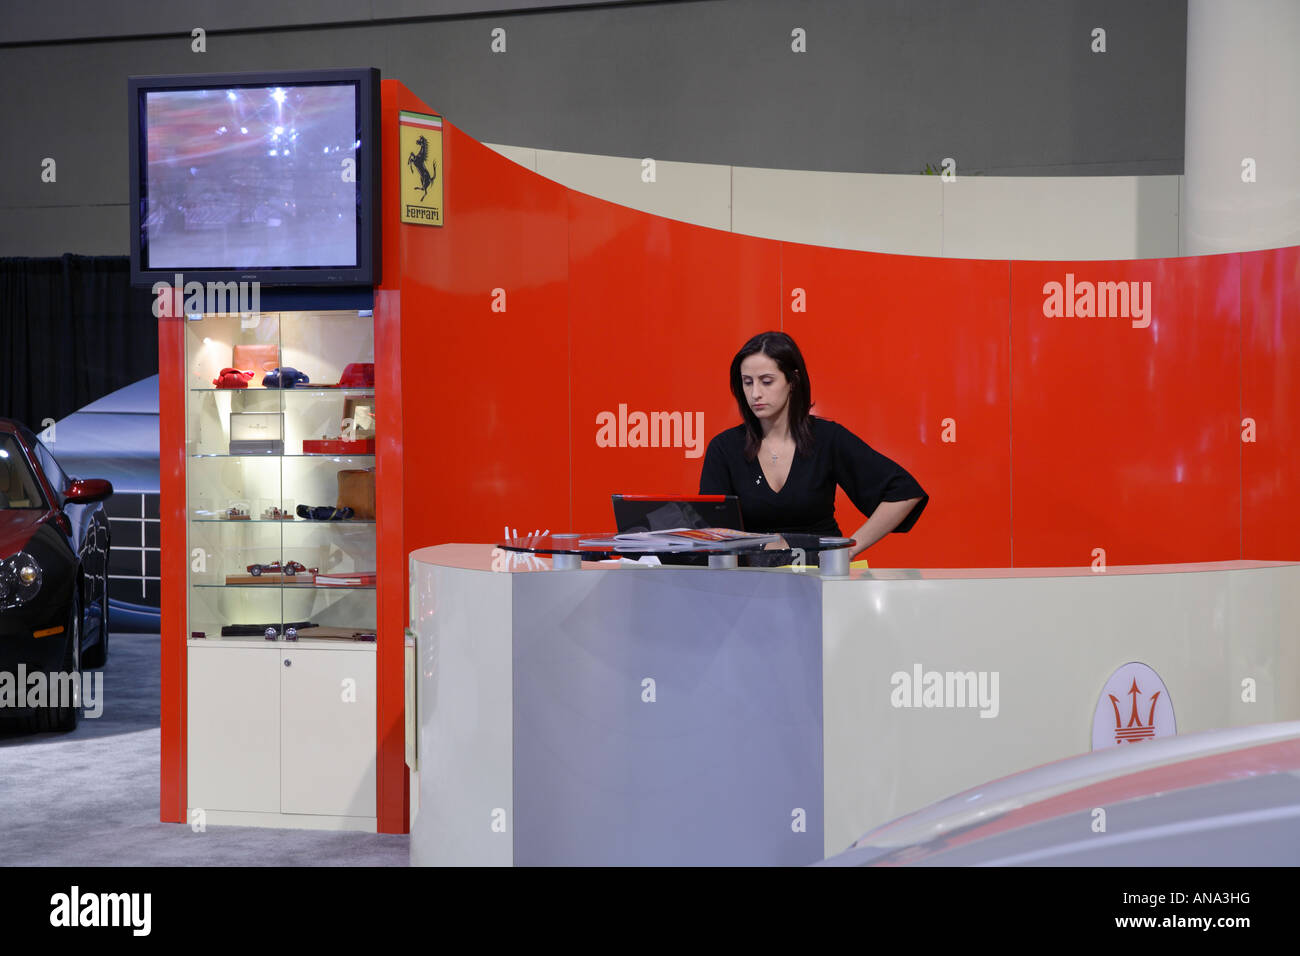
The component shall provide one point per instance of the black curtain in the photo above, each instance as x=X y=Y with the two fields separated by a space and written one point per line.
x=71 y=331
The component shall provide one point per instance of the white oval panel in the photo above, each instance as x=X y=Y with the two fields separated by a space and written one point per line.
x=1133 y=706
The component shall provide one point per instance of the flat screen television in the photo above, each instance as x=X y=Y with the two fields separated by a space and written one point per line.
x=266 y=177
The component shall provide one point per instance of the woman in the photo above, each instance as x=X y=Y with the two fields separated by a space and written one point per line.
x=784 y=463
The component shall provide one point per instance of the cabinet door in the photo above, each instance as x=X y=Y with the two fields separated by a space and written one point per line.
x=327 y=732
x=233 y=760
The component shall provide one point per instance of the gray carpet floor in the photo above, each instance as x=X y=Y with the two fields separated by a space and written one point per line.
x=90 y=797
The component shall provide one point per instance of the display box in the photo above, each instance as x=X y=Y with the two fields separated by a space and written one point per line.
x=336 y=446
x=257 y=433
x=359 y=417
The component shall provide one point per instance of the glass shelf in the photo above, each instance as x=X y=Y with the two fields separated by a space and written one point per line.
x=604 y=546
x=280 y=643
x=284 y=455
x=568 y=551
x=274 y=585
x=296 y=522
x=281 y=391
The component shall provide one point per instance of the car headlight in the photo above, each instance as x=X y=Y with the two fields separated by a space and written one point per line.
x=20 y=579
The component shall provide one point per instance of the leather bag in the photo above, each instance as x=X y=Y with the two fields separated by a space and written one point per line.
x=256 y=358
x=357 y=491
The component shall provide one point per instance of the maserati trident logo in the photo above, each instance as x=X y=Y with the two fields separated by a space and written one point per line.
x=1134 y=706
x=1134 y=730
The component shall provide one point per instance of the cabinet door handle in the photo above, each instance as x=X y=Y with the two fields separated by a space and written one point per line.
x=287 y=662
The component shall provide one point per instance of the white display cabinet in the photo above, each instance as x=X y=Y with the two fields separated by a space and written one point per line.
x=282 y=735
x=281 y=594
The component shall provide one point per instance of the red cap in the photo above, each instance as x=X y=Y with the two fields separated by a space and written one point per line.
x=358 y=375
x=232 y=378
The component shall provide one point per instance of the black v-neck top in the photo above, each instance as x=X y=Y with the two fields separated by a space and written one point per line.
x=806 y=502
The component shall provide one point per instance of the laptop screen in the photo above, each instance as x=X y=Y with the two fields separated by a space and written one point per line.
x=661 y=512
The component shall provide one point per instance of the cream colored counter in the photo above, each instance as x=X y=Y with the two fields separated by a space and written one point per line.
x=615 y=715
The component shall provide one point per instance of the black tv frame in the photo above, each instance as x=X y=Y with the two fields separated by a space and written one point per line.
x=369 y=181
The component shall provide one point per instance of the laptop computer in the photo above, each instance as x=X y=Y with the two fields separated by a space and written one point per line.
x=660 y=512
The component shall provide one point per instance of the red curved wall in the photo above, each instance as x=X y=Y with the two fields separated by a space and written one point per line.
x=1039 y=437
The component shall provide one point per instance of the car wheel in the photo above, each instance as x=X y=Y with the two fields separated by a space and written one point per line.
x=97 y=656
x=257 y=571
x=64 y=717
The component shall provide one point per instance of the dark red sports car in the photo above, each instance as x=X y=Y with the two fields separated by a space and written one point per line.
x=54 y=545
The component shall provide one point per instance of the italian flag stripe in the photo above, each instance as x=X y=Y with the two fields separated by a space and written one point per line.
x=420 y=119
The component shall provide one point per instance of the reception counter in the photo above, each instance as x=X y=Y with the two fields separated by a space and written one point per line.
x=675 y=715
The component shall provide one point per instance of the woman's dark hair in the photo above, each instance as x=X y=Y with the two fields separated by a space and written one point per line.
x=781 y=349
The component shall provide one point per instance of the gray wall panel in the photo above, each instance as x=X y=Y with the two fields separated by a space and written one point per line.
x=53 y=230
x=83 y=124
x=96 y=19
x=1006 y=88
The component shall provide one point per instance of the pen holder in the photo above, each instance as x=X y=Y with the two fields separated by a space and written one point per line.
x=833 y=564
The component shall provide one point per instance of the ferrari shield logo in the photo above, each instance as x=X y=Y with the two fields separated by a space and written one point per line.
x=421 y=168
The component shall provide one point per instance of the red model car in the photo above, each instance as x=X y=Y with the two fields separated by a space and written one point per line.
x=291 y=568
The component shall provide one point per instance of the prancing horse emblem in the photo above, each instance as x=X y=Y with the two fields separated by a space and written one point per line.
x=416 y=162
